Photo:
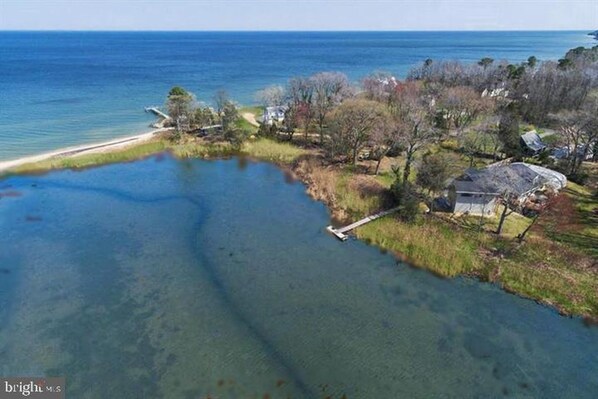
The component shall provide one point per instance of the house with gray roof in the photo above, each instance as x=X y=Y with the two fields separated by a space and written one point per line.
x=532 y=144
x=476 y=191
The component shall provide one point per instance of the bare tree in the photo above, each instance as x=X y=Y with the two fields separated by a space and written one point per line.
x=545 y=207
x=351 y=126
x=413 y=114
x=271 y=96
x=579 y=131
x=300 y=94
x=329 y=89
x=384 y=139
x=379 y=86
x=481 y=138
x=471 y=144
x=549 y=89
x=290 y=122
x=507 y=200
x=461 y=105
x=221 y=99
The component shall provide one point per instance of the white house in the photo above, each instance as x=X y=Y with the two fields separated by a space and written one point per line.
x=274 y=114
x=477 y=190
x=497 y=92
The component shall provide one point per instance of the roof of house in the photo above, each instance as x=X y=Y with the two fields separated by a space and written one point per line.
x=533 y=141
x=277 y=109
x=517 y=178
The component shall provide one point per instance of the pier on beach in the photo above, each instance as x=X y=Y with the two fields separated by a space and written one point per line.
x=157 y=112
x=163 y=117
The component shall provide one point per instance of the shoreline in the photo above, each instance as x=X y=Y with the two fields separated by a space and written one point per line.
x=297 y=170
x=92 y=148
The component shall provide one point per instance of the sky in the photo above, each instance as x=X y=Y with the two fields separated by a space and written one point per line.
x=299 y=15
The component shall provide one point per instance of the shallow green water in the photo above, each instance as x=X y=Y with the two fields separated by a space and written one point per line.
x=179 y=279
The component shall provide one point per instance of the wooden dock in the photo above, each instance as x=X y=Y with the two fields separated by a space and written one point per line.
x=340 y=232
x=156 y=111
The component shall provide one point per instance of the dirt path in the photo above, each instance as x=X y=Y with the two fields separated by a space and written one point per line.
x=249 y=117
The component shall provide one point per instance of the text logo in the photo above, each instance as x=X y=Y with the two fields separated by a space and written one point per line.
x=32 y=387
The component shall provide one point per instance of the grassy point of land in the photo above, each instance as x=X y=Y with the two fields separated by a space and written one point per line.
x=130 y=153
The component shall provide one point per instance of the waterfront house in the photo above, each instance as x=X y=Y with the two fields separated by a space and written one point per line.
x=476 y=192
x=274 y=114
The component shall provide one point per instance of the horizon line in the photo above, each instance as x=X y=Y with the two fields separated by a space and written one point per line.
x=588 y=31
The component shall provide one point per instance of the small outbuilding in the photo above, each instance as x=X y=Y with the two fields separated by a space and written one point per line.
x=531 y=143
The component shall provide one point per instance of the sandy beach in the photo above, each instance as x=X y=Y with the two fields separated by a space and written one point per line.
x=99 y=147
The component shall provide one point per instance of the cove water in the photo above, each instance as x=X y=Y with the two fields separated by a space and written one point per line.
x=60 y=89
x=182 y=279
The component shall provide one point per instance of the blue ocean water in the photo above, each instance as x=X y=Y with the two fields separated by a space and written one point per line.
x=65 y=88
x=169 y=278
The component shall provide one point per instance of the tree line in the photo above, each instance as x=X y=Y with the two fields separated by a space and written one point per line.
x=480 y=106
x=188 y=115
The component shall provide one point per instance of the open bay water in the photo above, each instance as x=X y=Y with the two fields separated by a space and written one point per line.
x=60 y=89
x=182 y=279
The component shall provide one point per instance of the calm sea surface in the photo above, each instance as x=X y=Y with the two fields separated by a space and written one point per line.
x=179 y=279
x=67 y=88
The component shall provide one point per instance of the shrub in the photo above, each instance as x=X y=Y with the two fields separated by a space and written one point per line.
x=405 y=197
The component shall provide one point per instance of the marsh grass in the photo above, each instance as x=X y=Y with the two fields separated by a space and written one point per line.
x=359 y=195
x=202 y=149
x=272 y=151
x=128 y=154
x=437 y=247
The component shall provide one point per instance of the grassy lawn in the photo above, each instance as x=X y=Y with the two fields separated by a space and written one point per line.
x=553 y=273
x=512 y=226
x=580 y=231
